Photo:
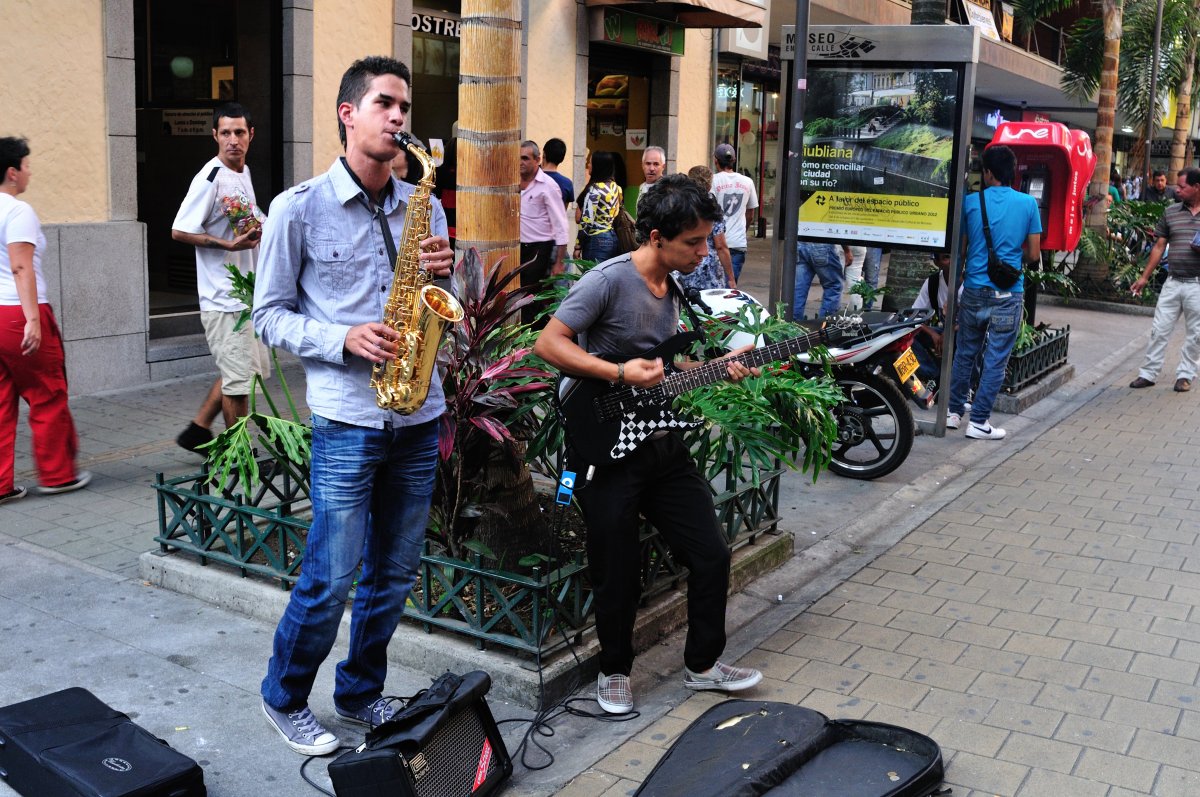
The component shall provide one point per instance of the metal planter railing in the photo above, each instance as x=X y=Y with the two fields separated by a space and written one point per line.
x=262 y=531
x=1031 y=364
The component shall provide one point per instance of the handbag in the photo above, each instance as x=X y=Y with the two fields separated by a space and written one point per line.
x=1002 y=275
x=625 y=228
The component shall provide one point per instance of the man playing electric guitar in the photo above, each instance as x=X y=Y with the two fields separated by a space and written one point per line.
x=629 y=304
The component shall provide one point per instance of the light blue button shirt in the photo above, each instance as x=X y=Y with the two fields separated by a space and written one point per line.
x=323 y=267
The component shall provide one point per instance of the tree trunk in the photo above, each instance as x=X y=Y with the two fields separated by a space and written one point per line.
x=514 y=526
x=489 y=132
x=1183 y=113
x=1106 y=106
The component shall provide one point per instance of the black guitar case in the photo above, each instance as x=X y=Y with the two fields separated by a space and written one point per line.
x=741 y=748
x=70 y=744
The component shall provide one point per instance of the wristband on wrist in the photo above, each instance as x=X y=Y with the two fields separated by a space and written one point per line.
x=620 y=374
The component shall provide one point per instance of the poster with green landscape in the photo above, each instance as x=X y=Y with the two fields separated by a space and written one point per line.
x=878 y=154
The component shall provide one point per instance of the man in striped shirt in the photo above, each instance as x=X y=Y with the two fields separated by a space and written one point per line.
x=1180 y=294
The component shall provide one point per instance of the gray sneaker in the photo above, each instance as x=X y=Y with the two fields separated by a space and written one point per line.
x=372 y=714
x=722 y=677
x=301 y=731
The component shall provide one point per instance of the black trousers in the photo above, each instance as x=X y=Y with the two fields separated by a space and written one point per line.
x=542 y=253
x=660 y=482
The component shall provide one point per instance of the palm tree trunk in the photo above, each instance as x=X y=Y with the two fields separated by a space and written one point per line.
x=1106 y=107
x=1183 y=113
x=489 y=132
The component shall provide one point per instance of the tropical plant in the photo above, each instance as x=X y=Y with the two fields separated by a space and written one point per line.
x=1123 y=246
x=288 y=442
x=762 y=421
x=496 y=396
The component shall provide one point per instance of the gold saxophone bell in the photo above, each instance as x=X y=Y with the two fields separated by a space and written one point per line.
x=419 y=312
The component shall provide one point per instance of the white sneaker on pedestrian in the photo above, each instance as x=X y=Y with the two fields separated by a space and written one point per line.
x=722 y=677
x=953 y=420
x=984 y=431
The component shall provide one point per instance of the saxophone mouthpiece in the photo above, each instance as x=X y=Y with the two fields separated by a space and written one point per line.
x=405 y=140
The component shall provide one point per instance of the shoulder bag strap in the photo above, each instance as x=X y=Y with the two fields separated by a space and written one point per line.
x=987 y=232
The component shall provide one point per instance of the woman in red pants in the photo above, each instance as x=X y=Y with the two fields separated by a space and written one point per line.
x=31 y=351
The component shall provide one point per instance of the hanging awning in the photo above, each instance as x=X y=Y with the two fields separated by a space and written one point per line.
x=695 y=13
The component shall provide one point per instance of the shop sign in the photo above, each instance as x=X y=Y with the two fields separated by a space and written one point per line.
x=187 y=122
x=644 y=33
x=435 y=25
x=979 y=14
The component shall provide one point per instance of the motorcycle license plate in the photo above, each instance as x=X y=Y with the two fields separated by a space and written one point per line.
x=906 y=365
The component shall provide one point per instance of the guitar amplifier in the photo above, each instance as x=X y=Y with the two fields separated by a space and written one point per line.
x=444 y=743
x=70 y=744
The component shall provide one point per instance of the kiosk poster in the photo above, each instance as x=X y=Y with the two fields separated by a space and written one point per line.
x=878 y=154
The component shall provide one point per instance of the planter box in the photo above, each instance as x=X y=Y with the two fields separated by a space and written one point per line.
x=262 y=531
x=1026 y=367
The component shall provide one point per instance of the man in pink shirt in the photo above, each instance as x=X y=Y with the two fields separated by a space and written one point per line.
x=543 y=225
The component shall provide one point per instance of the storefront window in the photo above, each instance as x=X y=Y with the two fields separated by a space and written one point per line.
x=435 y=70
x=618 y=114
x=189 y=52
x=747 y=116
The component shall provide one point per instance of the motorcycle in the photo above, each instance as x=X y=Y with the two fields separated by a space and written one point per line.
x=876 y=370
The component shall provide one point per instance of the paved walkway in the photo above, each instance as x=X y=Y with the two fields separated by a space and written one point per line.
x=1028 y=603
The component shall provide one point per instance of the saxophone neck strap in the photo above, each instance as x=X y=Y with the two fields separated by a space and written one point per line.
x=386 y=229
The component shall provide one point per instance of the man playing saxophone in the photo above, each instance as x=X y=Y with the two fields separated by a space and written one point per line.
x=323 y=279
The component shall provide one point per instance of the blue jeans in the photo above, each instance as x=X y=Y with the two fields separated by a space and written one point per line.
x=825 y=262
x=988 y=321
x=371 y=490
x=738 y=258
x=599 y=247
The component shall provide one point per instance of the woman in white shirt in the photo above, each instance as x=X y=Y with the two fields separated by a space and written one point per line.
x=32 y=365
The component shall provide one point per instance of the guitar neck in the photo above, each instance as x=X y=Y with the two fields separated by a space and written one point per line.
x=715 y=370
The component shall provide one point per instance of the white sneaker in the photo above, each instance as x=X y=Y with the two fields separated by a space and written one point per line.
x=984 y=432
x=953 y=420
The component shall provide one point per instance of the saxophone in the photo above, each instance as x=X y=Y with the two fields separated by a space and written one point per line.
x=420 y=312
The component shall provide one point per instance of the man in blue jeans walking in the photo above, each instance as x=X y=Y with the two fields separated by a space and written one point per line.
x=323 y=278
x=990 y=317
x=826 y=262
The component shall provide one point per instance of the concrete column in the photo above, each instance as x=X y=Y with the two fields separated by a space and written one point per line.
x=297 y=91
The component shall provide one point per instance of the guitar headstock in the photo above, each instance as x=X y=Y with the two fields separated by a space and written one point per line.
x=843 y=325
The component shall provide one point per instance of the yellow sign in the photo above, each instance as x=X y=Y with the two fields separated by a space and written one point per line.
x=915 y=220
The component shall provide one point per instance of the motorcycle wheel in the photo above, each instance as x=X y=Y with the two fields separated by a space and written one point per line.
x=875 y=427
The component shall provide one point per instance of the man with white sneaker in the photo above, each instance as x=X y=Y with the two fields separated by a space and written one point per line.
x=625 y=305
x=990 y=317
x=1180 y=294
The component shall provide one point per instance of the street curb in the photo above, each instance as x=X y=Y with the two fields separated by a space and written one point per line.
x=514 y=678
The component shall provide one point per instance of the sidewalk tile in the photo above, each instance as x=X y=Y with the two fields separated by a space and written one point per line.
x=918 y=623
x=775 y=665
x=968 y=612
x=882 y=662
x=1098 y=655
x=1022 y=621
x=986 y=774
x=1115 y=737
x=827 y=677
x=970 y=737
x=1120 y=684
x=1053 y=671
x=975 y=634
x=911 y=601
x=1127 y=771
x=988 y=660
x=1176 y=695
x=1079 y=628
x=1041 y=782
x=1004 y=687
x=1073 y=700
x=820 y=648
x=1165 y=668
x=838 y=706
x=941 y=650
x=905 y=718
x=957 y=705
x=663 y=732
x=891 y=691
x=1035 y=645
x=939 y=675
x=1026 y=719
x=874 y=636
x=1039 y=753
x=1177 y=782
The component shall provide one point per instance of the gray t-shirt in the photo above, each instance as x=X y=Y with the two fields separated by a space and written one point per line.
x=613 y=312
x=1179 y=227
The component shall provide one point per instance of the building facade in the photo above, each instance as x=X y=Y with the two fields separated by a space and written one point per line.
x=118 y=129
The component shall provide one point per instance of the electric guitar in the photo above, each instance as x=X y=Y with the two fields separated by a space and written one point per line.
x=605 y=422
